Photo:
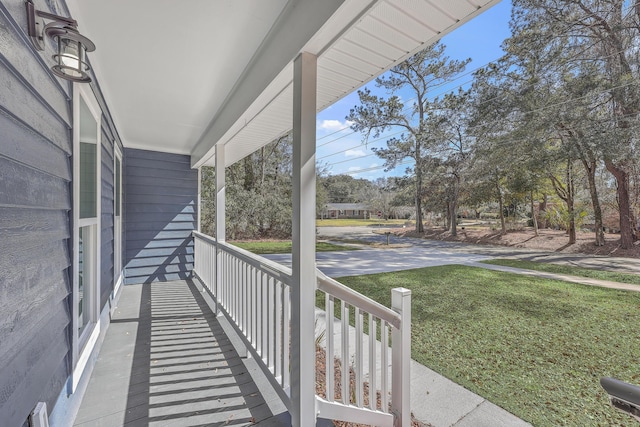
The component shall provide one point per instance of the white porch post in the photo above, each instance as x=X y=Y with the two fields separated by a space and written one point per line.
x=220 y=194
x=220 y=217
x=199 y=201
x=303 y=411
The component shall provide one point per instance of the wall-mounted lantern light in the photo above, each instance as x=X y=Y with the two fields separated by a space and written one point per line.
x=71 y=63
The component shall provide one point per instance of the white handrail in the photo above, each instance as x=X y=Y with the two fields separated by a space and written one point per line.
x=279 y=270
x=352 y=343
x=254 y=293
x=356 y=299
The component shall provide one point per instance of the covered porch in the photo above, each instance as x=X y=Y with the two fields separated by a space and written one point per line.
x=216 y=350
x=287 y=61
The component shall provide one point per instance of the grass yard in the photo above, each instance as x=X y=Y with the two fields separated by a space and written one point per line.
x=536 y=347
x=349 y=222
x=633 y=279
x=284 y=247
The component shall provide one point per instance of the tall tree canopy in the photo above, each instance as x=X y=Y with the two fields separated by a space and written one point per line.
x=590 y=48
x=419 y=75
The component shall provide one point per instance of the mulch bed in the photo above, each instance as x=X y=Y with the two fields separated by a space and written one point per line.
x=321 y=376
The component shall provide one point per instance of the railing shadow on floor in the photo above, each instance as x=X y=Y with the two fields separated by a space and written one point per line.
x=184 y=365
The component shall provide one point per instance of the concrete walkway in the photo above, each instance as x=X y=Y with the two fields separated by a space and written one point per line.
x=563 y=277
x=436 y=400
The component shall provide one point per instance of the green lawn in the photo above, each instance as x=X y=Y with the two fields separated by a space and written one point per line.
x=284 y=247
x=536 y=347
x=633 y=279
x=348 y=222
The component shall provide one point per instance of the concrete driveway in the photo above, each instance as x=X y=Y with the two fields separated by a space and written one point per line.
x=370 y=261
x=427 y=253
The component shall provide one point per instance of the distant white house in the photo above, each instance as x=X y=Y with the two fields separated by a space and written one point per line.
x=346 y=210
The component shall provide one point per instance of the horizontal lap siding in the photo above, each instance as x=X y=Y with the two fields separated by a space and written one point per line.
x=35 y=202
x=160 y=212
x=36 y=172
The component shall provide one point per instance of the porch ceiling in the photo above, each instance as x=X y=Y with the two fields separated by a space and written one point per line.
x=183 y=76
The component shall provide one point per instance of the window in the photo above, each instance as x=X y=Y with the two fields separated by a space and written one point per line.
x=117 y=219
x=86 y=220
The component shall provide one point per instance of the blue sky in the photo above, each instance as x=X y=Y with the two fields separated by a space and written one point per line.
x=342 y=151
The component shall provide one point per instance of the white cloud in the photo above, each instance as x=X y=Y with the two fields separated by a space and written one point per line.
x=374 y=165
x=354 y=169
x=334 y=125
x=354 y=153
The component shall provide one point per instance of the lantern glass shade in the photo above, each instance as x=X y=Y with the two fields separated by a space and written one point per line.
x=70 y=60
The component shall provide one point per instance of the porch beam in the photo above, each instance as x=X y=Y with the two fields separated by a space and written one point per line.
x=303 y=411
x=299 y=22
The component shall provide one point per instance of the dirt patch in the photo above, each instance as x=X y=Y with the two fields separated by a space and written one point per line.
x=546 y=240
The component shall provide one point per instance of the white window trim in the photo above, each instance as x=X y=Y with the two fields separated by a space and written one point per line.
x=80 y=356
x=118 y=276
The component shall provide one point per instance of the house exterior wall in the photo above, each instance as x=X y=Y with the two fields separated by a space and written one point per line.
x=160 y=212
x=36 y=226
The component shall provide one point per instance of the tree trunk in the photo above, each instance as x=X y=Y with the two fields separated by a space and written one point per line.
x=622 y=192
x=572 y=219
x=262 y=167
x=543 y=208
x=249 y=178
x=534 y=220
x=419 y=225
x=590 y=167
x=447 y=216
x=454 y=220
x=501 y=207
x=570 y=203
x=454 y=206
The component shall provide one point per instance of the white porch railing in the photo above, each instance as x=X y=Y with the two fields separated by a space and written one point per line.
x=367 y=376
x=254 y=294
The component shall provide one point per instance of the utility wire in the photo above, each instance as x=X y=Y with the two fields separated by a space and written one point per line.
x=463 y=74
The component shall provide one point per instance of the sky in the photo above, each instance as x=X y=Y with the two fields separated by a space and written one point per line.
x=340 y=150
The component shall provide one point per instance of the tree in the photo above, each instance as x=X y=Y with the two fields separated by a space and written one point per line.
x=346 y=189
x=604 y=35
x=419 y=74
x=454 y=147
x=382 y=197
x=552 y=87
x=258 y=190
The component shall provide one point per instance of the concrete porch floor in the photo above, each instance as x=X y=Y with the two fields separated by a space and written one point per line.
x=166 y=360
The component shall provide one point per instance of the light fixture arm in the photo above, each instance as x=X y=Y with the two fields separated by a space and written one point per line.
x=51 y=16
x=71 y=63
x=37 y=34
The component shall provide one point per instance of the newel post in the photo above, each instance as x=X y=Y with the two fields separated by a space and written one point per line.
x=401 y=358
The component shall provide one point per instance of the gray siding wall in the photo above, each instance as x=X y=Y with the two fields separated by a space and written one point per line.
x=160 y=196
x=35 y=219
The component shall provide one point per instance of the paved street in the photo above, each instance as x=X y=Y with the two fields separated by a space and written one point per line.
x=426 y=253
